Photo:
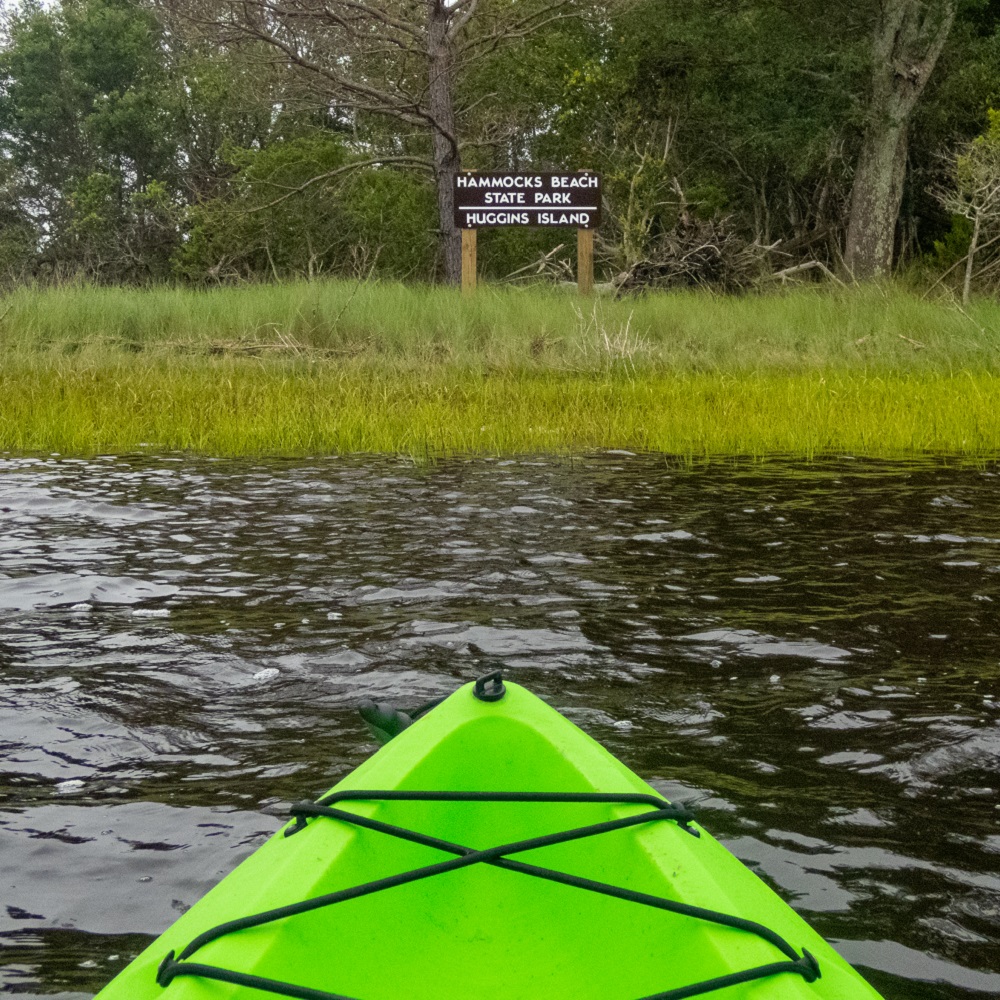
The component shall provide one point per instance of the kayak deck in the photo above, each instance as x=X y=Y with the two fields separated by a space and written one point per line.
x=447 y=907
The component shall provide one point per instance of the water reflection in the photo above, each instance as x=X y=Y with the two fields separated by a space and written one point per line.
x=806 y=653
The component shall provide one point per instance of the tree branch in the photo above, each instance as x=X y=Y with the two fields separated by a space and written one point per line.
x=518 y=29
x=413 y=161
x=463 y=19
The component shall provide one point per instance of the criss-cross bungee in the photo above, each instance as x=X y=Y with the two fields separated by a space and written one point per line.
x=803 y=964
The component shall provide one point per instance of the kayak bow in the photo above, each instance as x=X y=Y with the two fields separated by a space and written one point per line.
x=490 y=850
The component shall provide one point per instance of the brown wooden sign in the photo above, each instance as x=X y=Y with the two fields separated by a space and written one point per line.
x=505 y=199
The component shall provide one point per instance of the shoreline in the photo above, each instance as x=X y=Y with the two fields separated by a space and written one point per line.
x=421 y=372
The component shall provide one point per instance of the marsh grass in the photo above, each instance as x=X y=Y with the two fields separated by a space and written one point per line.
x=336 y=367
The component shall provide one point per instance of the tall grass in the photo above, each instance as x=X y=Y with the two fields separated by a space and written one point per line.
x=511 y=327
x=307 y=369
x=233 y=407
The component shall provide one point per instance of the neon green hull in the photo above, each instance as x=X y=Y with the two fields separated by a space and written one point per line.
x=485 y=932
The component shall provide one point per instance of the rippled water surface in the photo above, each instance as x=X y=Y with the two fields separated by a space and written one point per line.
x=807 y=654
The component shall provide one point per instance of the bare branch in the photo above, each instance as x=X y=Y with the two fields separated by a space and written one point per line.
x=464 y=16
x=382 y=16
x=507 y=32
x=412 y=161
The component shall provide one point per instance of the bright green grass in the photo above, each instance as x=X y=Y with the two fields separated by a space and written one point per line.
x=228 y=407
x=421 y=371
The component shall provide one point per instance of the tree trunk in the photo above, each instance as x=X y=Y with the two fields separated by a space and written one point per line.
x=875 y=200
x=909 y=37
x=973 y=246
x=446 y=156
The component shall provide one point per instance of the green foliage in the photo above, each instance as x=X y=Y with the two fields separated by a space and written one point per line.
x=17 y=250
x=238 y=235
x=84 y=126
x=272 y=221
x=954 y=245
x=733 y=108
x=95 y=202
x=388 y=223
x=984 y=148
x=113 y=50
x=18 y=237
x=134 y=153
x=83 y=83
x=40 y=101
x=108 y=127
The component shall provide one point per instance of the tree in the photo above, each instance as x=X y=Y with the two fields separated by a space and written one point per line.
x=18 y=238
x=282 y=136
x=816 y=102
x=907 y=41
x=736 y=109
x=85 y=135
x=394 y=59
x=109 y=128
x=377 y=219
x=974 y=192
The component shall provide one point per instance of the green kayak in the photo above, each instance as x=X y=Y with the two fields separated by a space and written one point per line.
x=490 y=850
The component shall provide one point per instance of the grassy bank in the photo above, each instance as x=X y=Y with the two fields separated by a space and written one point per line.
x=335 y=367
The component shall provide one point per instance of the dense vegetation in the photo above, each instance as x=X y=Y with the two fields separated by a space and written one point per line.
x=212 y=142
x=338 y=366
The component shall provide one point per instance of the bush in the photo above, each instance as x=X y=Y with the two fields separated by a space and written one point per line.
x=272 y=222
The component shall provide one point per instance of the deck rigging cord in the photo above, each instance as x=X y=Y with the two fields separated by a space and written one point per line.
x=488 y=688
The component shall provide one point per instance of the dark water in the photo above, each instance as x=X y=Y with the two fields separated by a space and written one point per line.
x=808 y=654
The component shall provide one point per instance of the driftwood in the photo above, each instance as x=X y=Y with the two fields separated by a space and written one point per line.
x=811 y=265
x=549 y=266
x=699 y=253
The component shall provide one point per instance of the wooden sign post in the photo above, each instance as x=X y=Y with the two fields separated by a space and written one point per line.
x=549 y=200
x=468 y=261
x=585 y=261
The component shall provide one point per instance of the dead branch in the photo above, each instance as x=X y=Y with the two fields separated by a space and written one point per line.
x=808 y=266
x=699 y=253
x=548 y=265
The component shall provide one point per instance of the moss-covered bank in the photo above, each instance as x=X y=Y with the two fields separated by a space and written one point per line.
x=307 y=369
